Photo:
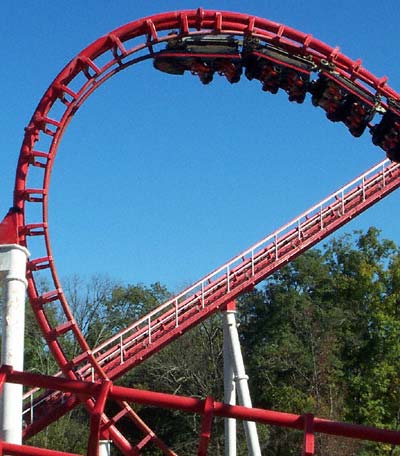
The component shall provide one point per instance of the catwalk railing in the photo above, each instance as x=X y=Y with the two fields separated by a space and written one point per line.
x=168 y=321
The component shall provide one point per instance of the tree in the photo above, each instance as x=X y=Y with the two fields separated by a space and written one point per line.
x=127 y=304
x=321 y=338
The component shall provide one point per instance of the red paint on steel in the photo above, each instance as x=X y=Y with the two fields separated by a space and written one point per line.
x=11 y=449
x=231 y=305
x=249 y=268
x=274 y=254
x=95 y=419
x=205 y=433
x=9 y=229
x=45 y=124
x=208 y=407
x=309 y=437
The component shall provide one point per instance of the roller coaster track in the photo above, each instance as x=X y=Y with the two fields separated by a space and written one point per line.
x=149 y=334
x=126 y=46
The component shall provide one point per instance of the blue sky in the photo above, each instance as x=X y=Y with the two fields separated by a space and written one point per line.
x=159 y=178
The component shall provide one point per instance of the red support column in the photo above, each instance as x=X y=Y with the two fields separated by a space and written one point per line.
x=95 y=419
x=206 y=424
x=8 y=228
x=309 y=437
x=231 y=305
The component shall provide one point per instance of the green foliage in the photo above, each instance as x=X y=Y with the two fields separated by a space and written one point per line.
x=37 y=357
x=330 y=338
x=127 y=304
x=70 y=433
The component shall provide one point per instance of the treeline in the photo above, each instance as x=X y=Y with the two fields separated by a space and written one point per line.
x=320 y=336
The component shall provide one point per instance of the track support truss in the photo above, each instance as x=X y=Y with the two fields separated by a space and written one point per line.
x=207 y=409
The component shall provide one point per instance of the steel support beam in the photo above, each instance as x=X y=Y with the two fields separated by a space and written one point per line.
x=304 y=423
x=13 y=260
x=240 y=377
x=104 y=447
x=229 y=391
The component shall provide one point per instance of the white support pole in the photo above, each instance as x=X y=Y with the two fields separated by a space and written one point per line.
x=104 y=447
x=229 y=392
x=13 y=259
x=242 y=386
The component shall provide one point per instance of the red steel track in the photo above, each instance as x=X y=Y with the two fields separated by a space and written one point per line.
x=149 y=334
x=114 y=52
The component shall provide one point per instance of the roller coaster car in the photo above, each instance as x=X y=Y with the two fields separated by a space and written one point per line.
x=386 y=135
x=203 y=55
x=343 y=101
x=277 y=69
